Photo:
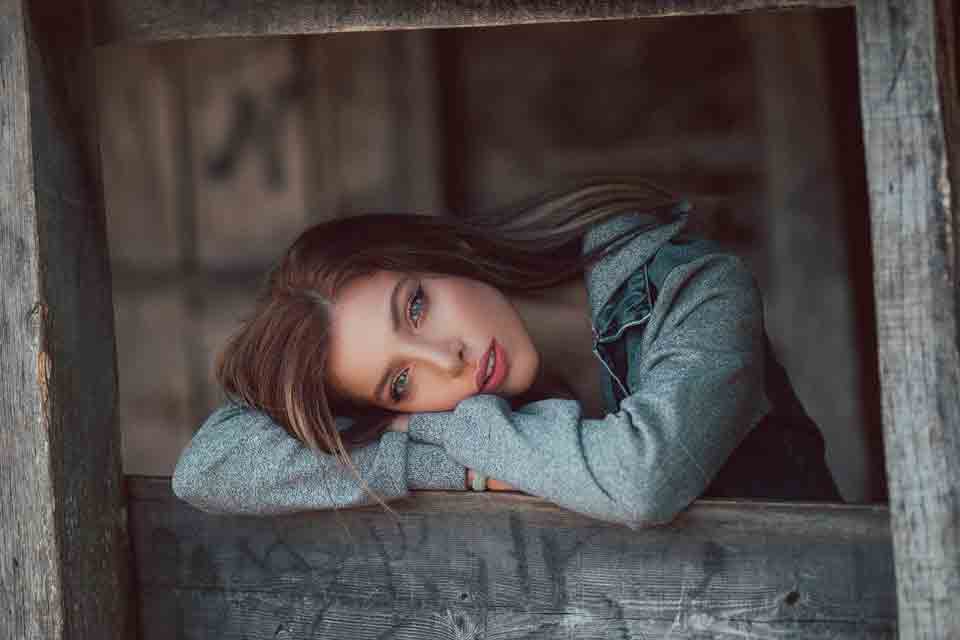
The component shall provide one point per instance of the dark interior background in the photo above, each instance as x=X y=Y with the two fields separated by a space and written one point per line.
x=218 y=153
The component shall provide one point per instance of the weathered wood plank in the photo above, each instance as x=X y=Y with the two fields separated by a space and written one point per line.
x=63 y=539
x=909 y=102
x=24 y=476
x=146 y=20
x=256 y=615
x=512 y=565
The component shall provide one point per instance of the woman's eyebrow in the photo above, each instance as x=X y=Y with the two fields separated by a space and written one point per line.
x=395 y=322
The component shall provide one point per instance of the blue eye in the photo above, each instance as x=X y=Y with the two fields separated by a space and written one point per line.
x=415 y=306
x=414 y=312
x=394 y=394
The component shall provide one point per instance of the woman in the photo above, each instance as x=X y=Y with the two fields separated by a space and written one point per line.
x=582 y=348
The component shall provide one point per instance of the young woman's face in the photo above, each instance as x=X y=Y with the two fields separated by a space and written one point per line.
x=429 y=361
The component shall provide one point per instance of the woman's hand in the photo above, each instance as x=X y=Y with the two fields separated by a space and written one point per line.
x=401 y=423
x=492 y=485
x=497 y=485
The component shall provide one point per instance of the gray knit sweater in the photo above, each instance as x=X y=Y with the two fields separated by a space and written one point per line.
x=697 y=389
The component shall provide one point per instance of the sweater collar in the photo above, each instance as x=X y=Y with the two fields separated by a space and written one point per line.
x=610 y=271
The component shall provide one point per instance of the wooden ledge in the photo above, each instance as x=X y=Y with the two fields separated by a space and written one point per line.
x=147 y=21
x=509 y=565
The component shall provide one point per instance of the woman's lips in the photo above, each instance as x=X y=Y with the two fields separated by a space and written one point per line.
x=499 y=369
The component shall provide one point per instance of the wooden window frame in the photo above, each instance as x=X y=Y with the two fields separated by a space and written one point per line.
x=84 y=551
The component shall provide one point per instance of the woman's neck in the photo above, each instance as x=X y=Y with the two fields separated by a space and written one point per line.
x=559 y=323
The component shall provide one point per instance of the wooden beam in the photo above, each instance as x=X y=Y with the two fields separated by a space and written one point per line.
x=148 y=20
x=909 y=101
x=510 y=565
x=63 y=539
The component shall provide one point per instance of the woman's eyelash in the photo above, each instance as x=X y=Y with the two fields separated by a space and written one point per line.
x=418 y=295
x=393 y=386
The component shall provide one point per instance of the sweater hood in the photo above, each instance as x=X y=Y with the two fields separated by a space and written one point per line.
x=610 y=271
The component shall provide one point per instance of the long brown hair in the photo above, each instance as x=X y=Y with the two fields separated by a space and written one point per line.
x=276 y=360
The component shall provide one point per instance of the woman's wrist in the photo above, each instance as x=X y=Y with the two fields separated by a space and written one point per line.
x=489 y=484
x=472 y=478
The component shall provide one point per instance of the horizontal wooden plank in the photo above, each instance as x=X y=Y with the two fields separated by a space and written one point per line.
x=147 y=20
x=254 y=615
x=511 y=565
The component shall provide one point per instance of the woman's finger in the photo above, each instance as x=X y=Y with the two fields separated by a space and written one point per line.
x=497 y=485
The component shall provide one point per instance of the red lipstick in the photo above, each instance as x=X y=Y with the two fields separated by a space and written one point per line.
x=490 y=384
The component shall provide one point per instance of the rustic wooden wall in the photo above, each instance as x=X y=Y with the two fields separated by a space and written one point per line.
x=218 y=152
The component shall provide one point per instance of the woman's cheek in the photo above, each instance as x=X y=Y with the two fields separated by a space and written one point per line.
x=445 y=397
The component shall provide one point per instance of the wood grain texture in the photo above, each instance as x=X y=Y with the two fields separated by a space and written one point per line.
x=63 y=540
x=909 y=102
x=464 y=565
x=147 y=20
x=32 y=605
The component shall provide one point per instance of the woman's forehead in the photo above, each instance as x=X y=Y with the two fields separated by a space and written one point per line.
x=363 y=305
x=367 y=284
x=370 y=283
x=360 y=324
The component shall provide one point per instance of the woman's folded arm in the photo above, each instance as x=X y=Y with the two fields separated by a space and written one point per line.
x=696 y=389
x=242 y=462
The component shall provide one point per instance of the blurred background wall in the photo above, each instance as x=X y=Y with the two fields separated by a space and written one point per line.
x=218 y=153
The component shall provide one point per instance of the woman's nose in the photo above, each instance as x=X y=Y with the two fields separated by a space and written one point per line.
x=445 y=355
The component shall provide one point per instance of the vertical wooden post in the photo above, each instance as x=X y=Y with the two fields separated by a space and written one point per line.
x=909 y=100
x=63 y=537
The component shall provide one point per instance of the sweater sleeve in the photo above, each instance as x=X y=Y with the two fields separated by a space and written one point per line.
x=696 y=389
x=242 y=462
